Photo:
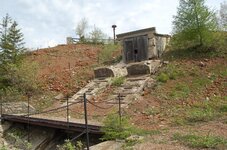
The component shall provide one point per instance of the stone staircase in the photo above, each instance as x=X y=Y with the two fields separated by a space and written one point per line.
x=137 y=75
x=132 y=87
x=91 y=89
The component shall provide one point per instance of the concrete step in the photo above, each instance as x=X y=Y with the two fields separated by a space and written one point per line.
x=135 y=79
x=116 y=102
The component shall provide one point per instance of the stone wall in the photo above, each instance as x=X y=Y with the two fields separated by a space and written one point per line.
x=16 y=108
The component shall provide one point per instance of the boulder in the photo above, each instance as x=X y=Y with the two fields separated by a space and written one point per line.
x=103 y=72
x=59 y=96
x=138 y=69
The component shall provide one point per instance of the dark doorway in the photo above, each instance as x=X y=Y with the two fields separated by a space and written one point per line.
x=135 y=49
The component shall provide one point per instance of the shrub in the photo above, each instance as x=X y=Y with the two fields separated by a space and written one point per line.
x=68 y=145
x=107 y=54
x=113 y=129
x=117 y=81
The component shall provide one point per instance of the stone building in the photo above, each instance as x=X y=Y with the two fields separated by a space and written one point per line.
x=144 y=44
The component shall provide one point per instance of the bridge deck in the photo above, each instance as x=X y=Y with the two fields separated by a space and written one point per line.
x=57 y=123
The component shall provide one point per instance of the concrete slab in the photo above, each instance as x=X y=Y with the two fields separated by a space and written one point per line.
x=107 y=145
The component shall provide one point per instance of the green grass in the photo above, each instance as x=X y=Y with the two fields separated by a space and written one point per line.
x=117 y=81
x=194 y=53
x=197 y=141
x=113 y=129
x=106 y=55
x=163 y=77
x=152 y=111
x=3 y=148
x=200 y=115
x=170 y=72
x=181 y=91
x=223 y=108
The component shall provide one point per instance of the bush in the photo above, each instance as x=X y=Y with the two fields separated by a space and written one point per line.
x=117 y=81
x=113 y=129
x=68 y=145
x=108 y=52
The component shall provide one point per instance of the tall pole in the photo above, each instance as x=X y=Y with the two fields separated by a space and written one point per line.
x=68 y=100
x=1 y=98
x=67 y=113
x=28 y=109
x=119 y=98
x=1 y=110
x=114 y=36
x=85 y=113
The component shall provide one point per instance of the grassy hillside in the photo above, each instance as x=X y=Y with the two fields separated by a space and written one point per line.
x=187 y=104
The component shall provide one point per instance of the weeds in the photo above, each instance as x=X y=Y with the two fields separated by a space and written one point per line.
x=170 y=72
x=117 y=81
x=68 y=145
x=3 y=148
x=116 y=129
x=200 y=115
x=181 y=91
x=107 y=54
x=223 y=108
x=163 y=77
x=196 y=141
x=151 y=111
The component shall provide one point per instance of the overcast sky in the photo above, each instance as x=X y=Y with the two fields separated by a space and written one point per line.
x=48 y=22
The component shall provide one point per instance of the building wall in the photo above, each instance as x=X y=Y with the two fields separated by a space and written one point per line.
x=156 y=42
x=161 y=43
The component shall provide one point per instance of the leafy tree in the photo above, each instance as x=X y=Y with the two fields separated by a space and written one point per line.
x=193 y=24
x=223 y=16
x=81 y=28
x=97 y=35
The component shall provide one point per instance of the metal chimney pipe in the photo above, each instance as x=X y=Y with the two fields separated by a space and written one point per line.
x=114 y=26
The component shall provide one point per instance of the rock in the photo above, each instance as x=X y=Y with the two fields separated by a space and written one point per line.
x=206 y=60
x=17 y=108
x=103 y=72
x=135 y=138
x=165 y=62
x=202 y=64
x=107 y=145
x=59 y=96
x=138 y=69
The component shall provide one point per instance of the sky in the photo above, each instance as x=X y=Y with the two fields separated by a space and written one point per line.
x=46 y=23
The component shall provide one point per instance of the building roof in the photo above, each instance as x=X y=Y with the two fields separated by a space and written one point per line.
x=135 y=32
x=162 y=35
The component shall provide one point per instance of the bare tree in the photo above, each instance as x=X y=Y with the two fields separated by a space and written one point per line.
x=81 y=28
